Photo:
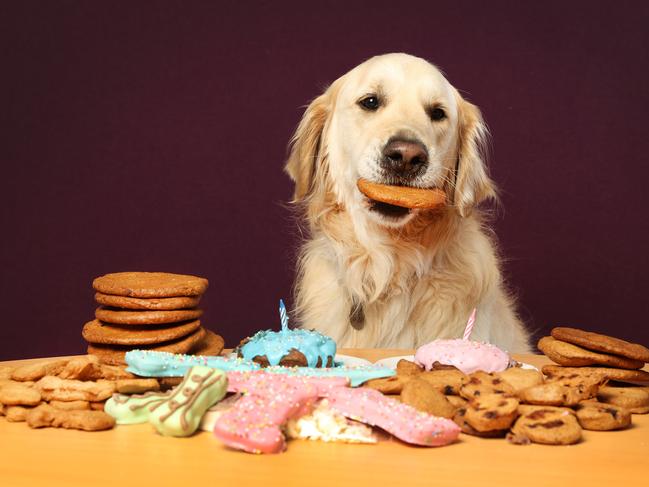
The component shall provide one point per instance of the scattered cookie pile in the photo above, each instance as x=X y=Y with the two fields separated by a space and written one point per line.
x=586 y=354
x=148 y=310
x=520 y=404
x=66 y=393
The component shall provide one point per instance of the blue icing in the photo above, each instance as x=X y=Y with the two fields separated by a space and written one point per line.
x=162 y=364
x=277 y=344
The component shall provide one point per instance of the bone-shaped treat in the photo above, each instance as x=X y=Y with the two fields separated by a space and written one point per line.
x=405 y=422
x=254 y=423
x=181 y=413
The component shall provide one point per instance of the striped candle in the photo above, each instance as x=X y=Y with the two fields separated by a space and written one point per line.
x=469 y=325
x=283 y=316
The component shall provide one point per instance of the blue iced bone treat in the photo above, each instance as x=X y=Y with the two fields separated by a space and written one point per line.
x=148 y=363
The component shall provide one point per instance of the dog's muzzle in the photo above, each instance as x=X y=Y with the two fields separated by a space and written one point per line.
x=404 y=159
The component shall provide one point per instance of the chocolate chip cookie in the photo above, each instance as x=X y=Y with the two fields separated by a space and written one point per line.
x=549 y=426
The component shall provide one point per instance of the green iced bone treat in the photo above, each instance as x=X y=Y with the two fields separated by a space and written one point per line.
x=181 y=412
x=133 y=409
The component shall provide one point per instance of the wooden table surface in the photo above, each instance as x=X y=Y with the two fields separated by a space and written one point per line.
x=136 y=455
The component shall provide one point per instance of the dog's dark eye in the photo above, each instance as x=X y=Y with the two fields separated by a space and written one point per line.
x=370 y=103
x=436 y=114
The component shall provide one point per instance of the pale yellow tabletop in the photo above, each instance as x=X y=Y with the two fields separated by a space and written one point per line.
x=136 y=455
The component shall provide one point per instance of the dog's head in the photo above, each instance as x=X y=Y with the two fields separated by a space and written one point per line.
x=394 y=120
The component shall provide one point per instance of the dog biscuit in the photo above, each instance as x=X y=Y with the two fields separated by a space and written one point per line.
x=406 y=197
x=125 y=302
x=47 y=416
x=480 y=383
x=549 y=426
x=54 y=388
x=70 y=405
x=405 y=422
x=254 y=423
x=597 y=416
x=180 y=414
x=558 y=394
x=406 y=367
x=521 y=379
x=606 y=373
x=150 y=284
x=466 y=428
x=491 y=412
x=18 y=394
x=601 y=343
x=565 y=353
x=37 y=370
x=136 y=386
x=424 y=397
x=447 y=381
x=135 y=408
x=634 y=399
x=16 y=414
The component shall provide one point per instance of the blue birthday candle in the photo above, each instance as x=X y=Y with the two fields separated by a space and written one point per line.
x=283 y=316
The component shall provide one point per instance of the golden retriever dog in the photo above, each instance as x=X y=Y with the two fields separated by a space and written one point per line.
x=375 y=275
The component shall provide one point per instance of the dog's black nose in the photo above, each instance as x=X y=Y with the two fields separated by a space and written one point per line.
x=404 y=158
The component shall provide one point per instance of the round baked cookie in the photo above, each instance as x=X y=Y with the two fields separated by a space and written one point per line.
x=114 y=354
x=460 y=419
x=492 y=412
x=447 y=381
x=125 y=302
x=521 y=379
x=146 y=317
x=632 y=398
x=403 y=196
x=211 y=344
x=565 y=353
x=150 y=284
x=480 y=383
x=609 y=373
x=601 y=343
x=424 y=397
x=596 y=416
x=97 y=332
x=549 y=426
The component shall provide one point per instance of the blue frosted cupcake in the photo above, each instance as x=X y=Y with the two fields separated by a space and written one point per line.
x=291 y=348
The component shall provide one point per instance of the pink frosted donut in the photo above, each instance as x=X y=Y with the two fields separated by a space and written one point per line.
x=466 y=355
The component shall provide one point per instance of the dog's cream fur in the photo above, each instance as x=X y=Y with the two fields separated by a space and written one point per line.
x=369 y=280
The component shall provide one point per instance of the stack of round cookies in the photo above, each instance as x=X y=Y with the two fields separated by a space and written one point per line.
x=151 y=311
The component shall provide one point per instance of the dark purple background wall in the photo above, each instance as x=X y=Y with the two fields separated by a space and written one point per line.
x=151 y=136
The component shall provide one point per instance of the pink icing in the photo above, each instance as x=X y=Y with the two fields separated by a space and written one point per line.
x=403 y=421
x=468 y=356
x=254 y=423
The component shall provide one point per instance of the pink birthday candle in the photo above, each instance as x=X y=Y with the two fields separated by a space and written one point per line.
x=469 y=325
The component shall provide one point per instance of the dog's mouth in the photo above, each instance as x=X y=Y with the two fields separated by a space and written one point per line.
x=396 y=202
x=387 y=210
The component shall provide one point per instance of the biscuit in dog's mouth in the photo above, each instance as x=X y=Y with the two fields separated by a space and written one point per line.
x=388 y=210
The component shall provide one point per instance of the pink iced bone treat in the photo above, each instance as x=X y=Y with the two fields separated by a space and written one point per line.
x=253 y=424
x=405 y=422
x=466 y=355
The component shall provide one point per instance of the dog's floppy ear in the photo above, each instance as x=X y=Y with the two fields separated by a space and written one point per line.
x=305 y=146
x=472 y=182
